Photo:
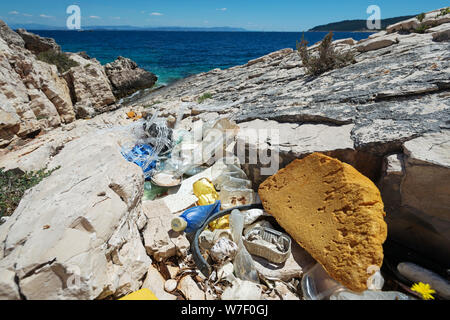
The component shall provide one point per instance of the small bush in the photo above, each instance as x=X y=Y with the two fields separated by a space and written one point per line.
x=421 y=16
x=422 y=28
x=14 y=183
x=59 y=59
x=444 y=11
x=204 y=97
x=327 y=59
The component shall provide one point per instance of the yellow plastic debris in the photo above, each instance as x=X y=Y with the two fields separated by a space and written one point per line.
x=221 y=223
x=143 y=294
x=133 y=115
x=205 y=192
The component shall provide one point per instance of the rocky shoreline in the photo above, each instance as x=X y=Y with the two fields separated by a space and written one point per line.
x=36 y=97
x=388 y=115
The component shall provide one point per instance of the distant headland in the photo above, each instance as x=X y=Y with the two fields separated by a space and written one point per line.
x=357 y=25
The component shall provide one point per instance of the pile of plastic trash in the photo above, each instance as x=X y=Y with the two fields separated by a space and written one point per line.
x=227 y=227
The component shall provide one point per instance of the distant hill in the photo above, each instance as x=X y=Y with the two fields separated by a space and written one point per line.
x=35 y=26
x=357 y=25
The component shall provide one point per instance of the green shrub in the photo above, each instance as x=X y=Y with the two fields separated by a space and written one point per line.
x=327 y=59
x=422 y=28
x=444 y=11
x=59 y=59
x=41 y=117
x=421 y=16
x=14 y=183
x=204 y=97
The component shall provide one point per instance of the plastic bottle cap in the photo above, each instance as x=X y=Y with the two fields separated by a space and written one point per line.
x=179 y=224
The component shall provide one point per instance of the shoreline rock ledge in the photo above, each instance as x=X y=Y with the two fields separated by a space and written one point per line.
x=126 y=77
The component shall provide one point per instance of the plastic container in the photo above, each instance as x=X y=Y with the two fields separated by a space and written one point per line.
x=143 y=294
x=165 y=179
x=232 y=183
x=232 y=197
x=268 y=243
x=193 y=218
x=369 y=295
x=318 y=285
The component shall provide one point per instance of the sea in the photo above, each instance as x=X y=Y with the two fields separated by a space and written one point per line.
x=173 y=55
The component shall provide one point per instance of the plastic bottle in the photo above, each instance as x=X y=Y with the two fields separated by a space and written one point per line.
x=193 y=218
x=205 y=192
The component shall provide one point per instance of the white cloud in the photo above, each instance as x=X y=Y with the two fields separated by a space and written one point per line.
x=94 y=17
x=45 y=16
x=156 y=14
x=13 y=12
x=27 y=15
x=116 y=18
x=222 y=9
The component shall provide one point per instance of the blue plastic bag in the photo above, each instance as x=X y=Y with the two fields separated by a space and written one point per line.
x=144 y=156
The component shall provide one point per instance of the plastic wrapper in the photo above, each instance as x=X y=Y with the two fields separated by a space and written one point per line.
x=221 y=223
x=226 y=168
x=147 y=140
x=254 y=214
x=244 y=267
x=185 y=155
x=205 y=192
x=158 y=134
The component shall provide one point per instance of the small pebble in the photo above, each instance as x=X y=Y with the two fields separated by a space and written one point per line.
x=170 y=285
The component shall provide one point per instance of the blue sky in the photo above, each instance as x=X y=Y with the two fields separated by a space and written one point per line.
x=265 y=15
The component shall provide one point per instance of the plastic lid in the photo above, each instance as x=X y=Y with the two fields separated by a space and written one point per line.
x=179 y=224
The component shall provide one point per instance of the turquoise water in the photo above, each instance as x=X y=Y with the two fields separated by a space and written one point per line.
x=175 y=55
